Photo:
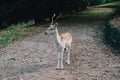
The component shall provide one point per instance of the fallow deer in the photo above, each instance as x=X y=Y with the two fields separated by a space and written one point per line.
x=62 y=43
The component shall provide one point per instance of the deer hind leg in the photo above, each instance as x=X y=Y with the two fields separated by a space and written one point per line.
x=68 y=54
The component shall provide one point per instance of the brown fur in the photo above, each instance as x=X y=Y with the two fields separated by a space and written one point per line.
x=66 y=37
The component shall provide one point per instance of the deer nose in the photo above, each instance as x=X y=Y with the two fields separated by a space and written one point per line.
x=45 y=33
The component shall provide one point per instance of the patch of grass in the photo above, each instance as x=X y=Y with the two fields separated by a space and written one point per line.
x=98 y=11
x=16 y=32
x=8 y=36
x=101 y=10
x=116 y=3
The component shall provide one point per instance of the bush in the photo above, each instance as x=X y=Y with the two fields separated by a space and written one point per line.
x=112 y=35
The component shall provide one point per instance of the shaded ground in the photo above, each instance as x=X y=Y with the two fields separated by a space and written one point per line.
x=91 y=59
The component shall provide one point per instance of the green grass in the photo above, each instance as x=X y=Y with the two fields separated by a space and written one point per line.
x=98 y=11
x=102 y=10
x=116 y=3
x=8 y=37
x=16 y=32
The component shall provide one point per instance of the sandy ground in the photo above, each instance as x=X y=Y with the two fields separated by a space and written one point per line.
x=34 y=58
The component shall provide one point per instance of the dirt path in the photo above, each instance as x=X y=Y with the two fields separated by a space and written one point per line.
x=91 y=59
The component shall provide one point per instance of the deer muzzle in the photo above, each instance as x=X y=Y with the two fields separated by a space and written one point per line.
x=45 y=33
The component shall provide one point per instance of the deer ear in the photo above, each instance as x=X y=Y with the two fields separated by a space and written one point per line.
x=56 y=24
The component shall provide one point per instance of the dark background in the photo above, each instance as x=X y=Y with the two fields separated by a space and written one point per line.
x=15 y=11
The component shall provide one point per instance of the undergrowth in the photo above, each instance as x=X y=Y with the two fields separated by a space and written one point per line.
x=16 y=32
x=112 y=36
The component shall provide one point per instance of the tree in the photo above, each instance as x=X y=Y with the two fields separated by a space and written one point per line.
x=14 y=11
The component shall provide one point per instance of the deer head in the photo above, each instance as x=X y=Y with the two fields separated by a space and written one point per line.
x=53 y=25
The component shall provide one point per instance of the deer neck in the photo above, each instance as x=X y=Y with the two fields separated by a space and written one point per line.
x=56 y=38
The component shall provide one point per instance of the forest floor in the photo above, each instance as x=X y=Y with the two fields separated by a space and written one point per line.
x=34 y=58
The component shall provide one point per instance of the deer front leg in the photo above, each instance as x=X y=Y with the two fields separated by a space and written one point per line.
x=60 y=59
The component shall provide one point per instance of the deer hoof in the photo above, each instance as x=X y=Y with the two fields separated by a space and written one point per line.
x=59 y=68
x=68 y=63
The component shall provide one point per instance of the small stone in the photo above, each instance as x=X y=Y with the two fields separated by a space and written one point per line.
x=94 y=79
x=81 y=78
x=62 y=78
x=93 y=65
x=78 y=79
x=12 y=59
